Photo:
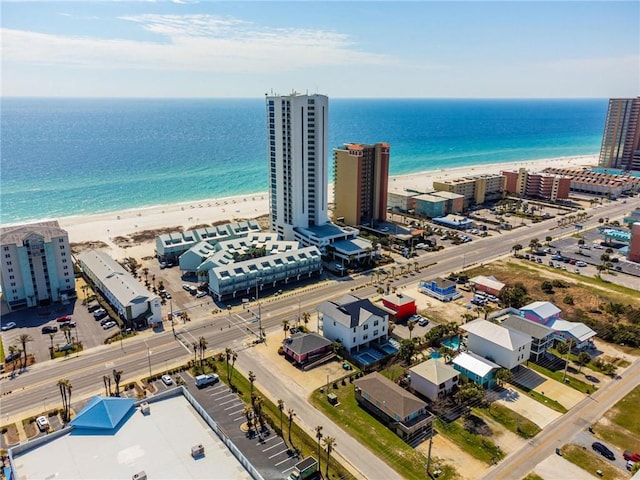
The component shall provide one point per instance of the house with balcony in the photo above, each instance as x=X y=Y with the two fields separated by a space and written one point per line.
x=508 y=348
x=476 y=368
x=541 y=335
x=404 y=413
x=547 y=314
x=433 y=379
x=440 y=288
x=353 y=321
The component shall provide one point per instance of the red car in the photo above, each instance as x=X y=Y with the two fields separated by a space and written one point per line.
x=629 y=455
x=65 y=318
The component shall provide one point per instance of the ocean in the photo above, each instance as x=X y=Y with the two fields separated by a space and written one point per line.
x=63 y=157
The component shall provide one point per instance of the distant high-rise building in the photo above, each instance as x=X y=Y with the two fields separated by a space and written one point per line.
x=298 y=145
x=547 y=186
x=621 y=138
x=37 y=268
x=361 y=178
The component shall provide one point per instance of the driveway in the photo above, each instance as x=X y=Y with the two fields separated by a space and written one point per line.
x=555 y=467
x=527 y=407
x=563 y=394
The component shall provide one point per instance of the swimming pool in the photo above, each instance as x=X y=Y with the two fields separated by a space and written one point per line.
x=366 y=358
x=387 y=348
x=435 y=355
x=453 y=342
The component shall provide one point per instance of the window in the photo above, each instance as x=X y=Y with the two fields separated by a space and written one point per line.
x=365 y=326
x=365 y=337
x=354 y=339
x=375 y=323
x=375 y=333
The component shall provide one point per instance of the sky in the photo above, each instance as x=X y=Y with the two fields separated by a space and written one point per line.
x=370 y=49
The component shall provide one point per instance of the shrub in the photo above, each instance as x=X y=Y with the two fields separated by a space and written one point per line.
x=568 y=299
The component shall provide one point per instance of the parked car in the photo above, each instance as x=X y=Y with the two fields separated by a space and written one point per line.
x=201 y=294
x=68 y=324
x=629 y=455
x=423 y=322
x=204 y=380
x=49 y=329
x=581 y=264
x=64 y=318
x=101 y=312
x=630 y=464
x=603 y=450
x=186 y=288
x=167 y=295
x=167 y=380
x=109 y=325
x=43 y=423
x=8 y=326
x=12 y=356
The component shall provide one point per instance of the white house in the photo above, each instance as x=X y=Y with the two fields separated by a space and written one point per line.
x=128 y=298
x=433 y=379
x=353 y=322
x=508 y=348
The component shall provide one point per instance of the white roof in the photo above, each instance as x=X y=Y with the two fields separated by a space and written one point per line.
x=542 y=309
x=490 y=282
x=502 y=336
x=475 y=364
x=577 y=330
x=434 y=371
x=159 y=444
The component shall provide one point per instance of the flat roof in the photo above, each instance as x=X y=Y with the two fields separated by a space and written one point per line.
x=158 y=443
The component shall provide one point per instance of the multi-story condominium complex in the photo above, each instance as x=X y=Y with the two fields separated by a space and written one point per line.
x=37 y=268
x=621 y=137
x=546 y=185
x=476 y=189
x=134 y=303
x=634 y=245
x=297 y=145
x=508 y=348
x=361 y=177
x=597 y=183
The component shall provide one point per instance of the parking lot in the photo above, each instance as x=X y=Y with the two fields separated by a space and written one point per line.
x=268 y=452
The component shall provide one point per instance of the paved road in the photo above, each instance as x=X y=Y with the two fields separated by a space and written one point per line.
x=156 y=352
x=563 y=430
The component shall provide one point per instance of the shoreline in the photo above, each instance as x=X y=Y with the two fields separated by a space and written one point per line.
x=109 y=225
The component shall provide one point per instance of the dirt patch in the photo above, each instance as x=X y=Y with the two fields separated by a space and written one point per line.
x=445 y=451
x=79 y=247
x=11 y=436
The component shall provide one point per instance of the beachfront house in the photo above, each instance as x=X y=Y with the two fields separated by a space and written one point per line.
x=547 y=314
x=400 y=305
x=307 y=348
x=353 y=321
x=128 y=298
x=541 y=335
x=476 y=368
x=508 y=348
x=440 y=288
x=433 y=379
x=404 y=413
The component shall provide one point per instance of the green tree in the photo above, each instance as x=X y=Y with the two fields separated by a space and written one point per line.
x=281 y=409
x=583 y=359
x=516 y=249
x=290 y=415
x=306 y=316
x=24 y=339
x=548 y=239
x=65 y=392
x=515 y=295
x=405 y=353
x=252 y=379
x=202 y=347
x=411 y=325
x=285 y=327
x=546 y=286
x=117 y=376
x=319 y=436
x=504 y=375
x=329 y=444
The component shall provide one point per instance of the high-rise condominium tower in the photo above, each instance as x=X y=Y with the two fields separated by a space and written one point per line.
x=621 y=138
x=298 y=143
x=361 y=177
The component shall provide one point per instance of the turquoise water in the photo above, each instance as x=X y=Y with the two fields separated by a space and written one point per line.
x=453 y=342
x=615 y=171
x=64 y=157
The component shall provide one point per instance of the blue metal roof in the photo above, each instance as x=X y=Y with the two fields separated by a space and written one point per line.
x=103 y=413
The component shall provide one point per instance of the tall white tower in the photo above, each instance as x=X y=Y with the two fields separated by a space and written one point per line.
x=298 y=162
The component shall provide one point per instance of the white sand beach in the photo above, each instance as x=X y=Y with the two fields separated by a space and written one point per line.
x=106 y=227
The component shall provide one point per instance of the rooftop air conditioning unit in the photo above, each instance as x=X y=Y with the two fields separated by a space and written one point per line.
x=140 y=476
x=145 y=408
x=197 y=451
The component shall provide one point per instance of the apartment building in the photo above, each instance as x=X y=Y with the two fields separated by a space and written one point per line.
x=621 y=137
x=545 y=185
x=37 y=268
x=476 y=189
x=361 y=178
x=612 y=184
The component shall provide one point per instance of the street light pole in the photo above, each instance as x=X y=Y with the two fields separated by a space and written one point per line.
x=148 y=358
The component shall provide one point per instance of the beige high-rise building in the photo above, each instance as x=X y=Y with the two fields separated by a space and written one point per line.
x=361 y=179
x=621 y=137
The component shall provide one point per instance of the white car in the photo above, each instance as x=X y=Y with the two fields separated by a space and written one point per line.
x=109 y=325
x=8 y=326
x=167 y=380
x=201 y=294
x=581 y=264
x=43 y=423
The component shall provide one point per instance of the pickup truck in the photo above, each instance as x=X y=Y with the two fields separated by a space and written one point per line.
x=629 y=455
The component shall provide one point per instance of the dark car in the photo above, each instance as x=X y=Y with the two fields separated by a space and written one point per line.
x=12 y=356
x=602 y=450
x=49 y=329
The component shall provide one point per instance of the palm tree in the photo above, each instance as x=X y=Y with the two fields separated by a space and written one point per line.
x=234 y=357
x=548 y=239
x=252 y=378
x=24 y=338
x=534 y=244
x=416 y=266
x=117 y=376
x=51 y=335
x=281 y=408
x=319 y=436
x=247 y=413
x=145 y=272
x=285 y=327
x=290 y=414
x=195 y=352
x=393 y=271
x=227 y=356
x=306 y=316
x=411 y=325
x=65 y=392
x=106 y=379
x=202 y=346
x=329 y=444
x=583 y=359
x=257 y=408
x=516 y=248
x=66 y=330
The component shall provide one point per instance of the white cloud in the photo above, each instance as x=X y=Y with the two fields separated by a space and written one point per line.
x=193 y=43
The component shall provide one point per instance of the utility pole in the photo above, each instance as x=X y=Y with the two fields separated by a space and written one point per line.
x=566 y=361
x=429 y=451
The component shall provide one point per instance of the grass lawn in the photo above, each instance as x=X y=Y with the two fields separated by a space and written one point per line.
x=573 y=382
x=590 y=462
x=533 y=476
x=370 y=432
x=511 y=420
x=623 y=426
x=482 y=448
x=299 y=438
